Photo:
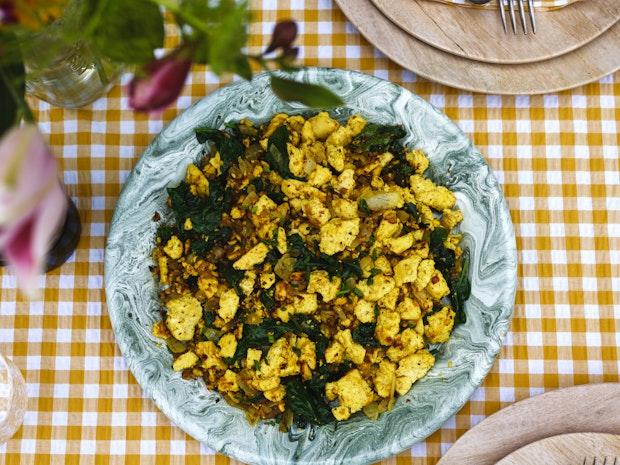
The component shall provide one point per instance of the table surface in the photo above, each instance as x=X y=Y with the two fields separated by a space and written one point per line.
x=555 y=155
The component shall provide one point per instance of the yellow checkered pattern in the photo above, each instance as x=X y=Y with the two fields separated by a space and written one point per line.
x=555 y=155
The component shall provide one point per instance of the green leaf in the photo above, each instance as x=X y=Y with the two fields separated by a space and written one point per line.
x=413 y=211
x=461 y=290
x=438 y=237
x=310 y=95
x=364 y=334
x=227 y=36
x=277 y=152
x=377 y=138
x=308 y=260
x=306 y=406
x=130 y=32
x=228 y=145
x=363 y=206
x=232 y=276
x=12 y=88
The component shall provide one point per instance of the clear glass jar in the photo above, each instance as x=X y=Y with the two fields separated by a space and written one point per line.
x=13 y=399
x=69 y=75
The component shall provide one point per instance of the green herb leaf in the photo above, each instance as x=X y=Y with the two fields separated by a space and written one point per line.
x=232 y=276
x=363 y=206
x=310 y=95
x=364 y=334
x=228 y=145
x=308 y=260
x=227 y=36
x=277 y=152
x=306 y=406
x=377 y=138
x=12 y=88
x=130 y=31
x=413 y=211
x=438 y=237
x=267 y=299
x=461 y=290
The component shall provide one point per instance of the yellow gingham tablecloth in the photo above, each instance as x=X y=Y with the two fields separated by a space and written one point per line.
x=555 y=155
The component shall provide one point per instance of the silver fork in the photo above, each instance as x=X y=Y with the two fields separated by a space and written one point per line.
x=603 y=461
x=511 y=11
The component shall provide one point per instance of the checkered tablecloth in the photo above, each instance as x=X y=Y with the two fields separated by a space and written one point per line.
x=555 y=155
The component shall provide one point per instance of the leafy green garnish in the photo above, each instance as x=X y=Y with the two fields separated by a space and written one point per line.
x=232 y=276
x=227 y=143
x=461 y=290
x=308 y=261
x=413 y=211
x=277 y=152
x=267 y=299
x=139 y=23
x=363 y=206
x=364 y=334
x=12 y=87
x=377 y=138
x=311 y=95
x=307 y=407
x=208 y=317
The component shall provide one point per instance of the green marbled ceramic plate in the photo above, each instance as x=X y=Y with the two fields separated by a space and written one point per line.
x=462 y=363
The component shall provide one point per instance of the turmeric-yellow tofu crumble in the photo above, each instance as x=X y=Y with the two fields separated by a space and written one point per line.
x=309 y=268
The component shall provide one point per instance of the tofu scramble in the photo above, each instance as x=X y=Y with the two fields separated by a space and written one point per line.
x=309 y=268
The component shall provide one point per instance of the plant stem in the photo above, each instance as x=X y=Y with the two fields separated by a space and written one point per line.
x=24 y=109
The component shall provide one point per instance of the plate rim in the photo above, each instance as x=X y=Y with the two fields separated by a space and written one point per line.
x=394 y=19
x=392 y=447
x=457 y=61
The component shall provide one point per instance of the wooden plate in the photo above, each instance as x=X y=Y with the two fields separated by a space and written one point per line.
x=477 y=33
x=577 y=448
x=586 y=408
x=586 y=64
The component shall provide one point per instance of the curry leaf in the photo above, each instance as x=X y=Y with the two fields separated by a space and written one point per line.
x=277 y=152
x=232 y=276
x=377 y=138
x=306 y=406
x=413 y=211
x=364 y=334
x=310 y=95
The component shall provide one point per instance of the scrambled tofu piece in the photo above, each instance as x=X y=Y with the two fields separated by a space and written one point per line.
x=253 y=356
x=388 y=301
x=263 y=205
x=198 y=182
x=412 y=368
x=428 y=193
x=409 y=309
x=380 y=287
x=255 y=256
x=336 y=157
x=322 y=125
x=388 y=325
x=341 y=136
x=228 y=345
x=344 y=348
x=388 y=228
x=277 y=121
x=276 y=394
x=439 y=325
x=406 y=343
x=160 y=331
x=229 y=303
x=385 y=379
x=208 y=351
x=345 y=182
x=338 y=234
x=400 y=244
x=424 y=274
x=281 y=243
x=365 y=311
x=345 y=209
x=356 y=124
x=353 y=394
x=437 y=287
x=451 y=218
x=295 y=189
x=316 y=212
x=188 y=225
x=162 y=263
x=267 y=280
x=417 y=160
x=228 y=382
x=307 y=134
x=248 y=282
x=185 y=361
x=208 y=285
x=406 y=270
x=296 y=160
x=319 y=176
x=174 y=248
x=305 y=303
x=383 y=264
x=320 y=282
x=184 y=313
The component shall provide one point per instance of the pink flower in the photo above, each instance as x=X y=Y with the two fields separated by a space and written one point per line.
x=160 y=83
x=32 y=203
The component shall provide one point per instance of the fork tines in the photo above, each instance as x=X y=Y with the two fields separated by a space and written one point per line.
x=511 y=11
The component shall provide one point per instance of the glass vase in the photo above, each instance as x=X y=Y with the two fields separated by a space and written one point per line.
x=66 y=75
